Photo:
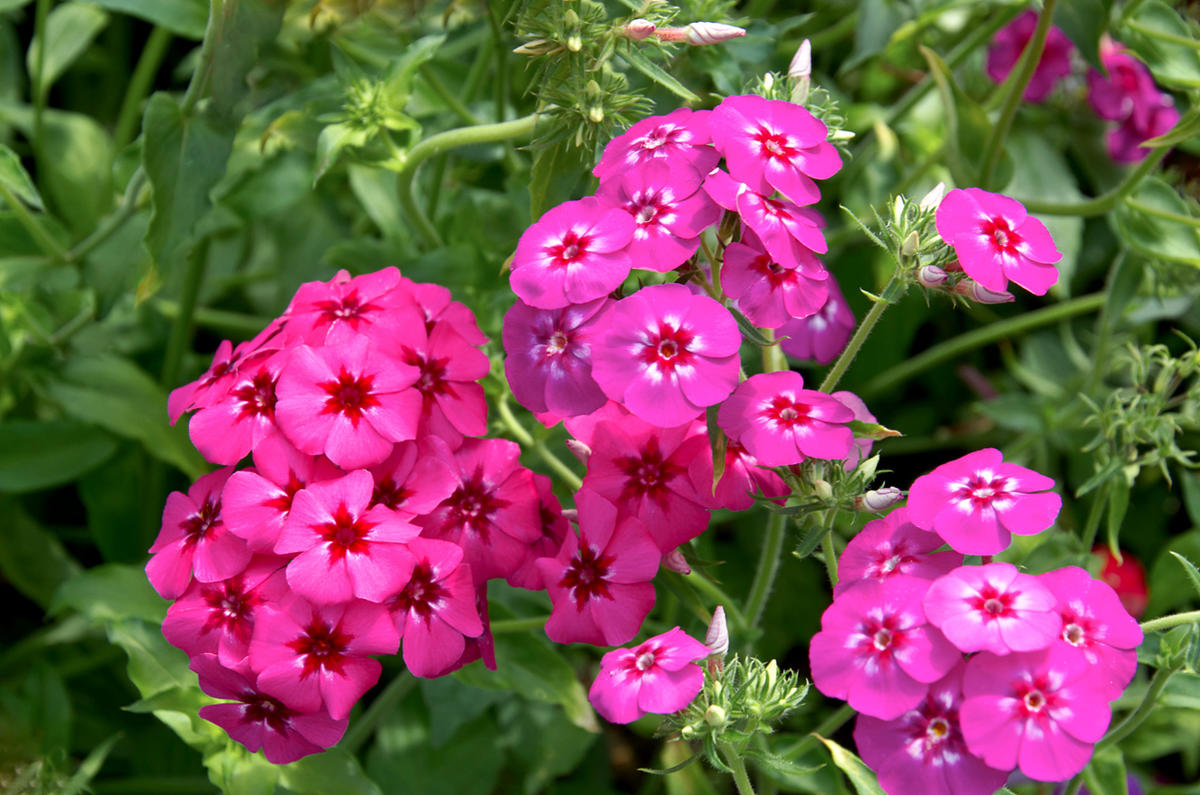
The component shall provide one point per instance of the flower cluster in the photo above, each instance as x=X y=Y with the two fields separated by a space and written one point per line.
x=963 y=673
x=1129 y=97
x=371 y=516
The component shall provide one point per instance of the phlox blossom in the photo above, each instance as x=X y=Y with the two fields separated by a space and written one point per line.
x=415 y=478
x=1011 y=40
x=993 y=608
x=374 y=305
x=659 y=675
x=996 y=241
x=976 y=502
x=234 y=423
x=780 y=423
x=548 y=359
x=226 y=365
x=820 y=337
x=766 y=292
x=744 y=477
x=790 y=234
x=890 y=547
x=666 y=354
x=449 y=367
x=554 y=529
x=679 y=139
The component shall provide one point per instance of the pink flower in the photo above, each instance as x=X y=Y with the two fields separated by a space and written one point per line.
x=774 y=145
x=790 y=234
x=766 y=292
x=1038 y=710
x=555 y=528
x=449 y=367
x=194 y=539
x=1124 y=140
x=923 y=750
x=743 y=478
x=1096 y=625
x=257 y=720
x=823 y=336
x=996 y=241
x=891 y=547
x=1010 y=42
x=415 y=478
x=345 y=549
x=993 y=608
x=436 y=610
x=350 y=402
x=227 y=361
x=680 y=139
x=308 y=656
x=335 y=312
x=549 y=357
x=436 y=305
x=666 y=354
x=659 y=676
x=232 y=425
x=669 y=212
x=780 y=423
x=862 y=446
x=1124 y=93
x=876 y=650
x=976 y=502
x=599 y=583
x=573 y=254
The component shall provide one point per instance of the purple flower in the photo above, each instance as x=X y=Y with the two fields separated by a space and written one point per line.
x=820 y=337
x=549 y=357
x=659 y=675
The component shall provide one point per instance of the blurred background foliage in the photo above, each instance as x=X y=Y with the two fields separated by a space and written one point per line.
x=171 y=171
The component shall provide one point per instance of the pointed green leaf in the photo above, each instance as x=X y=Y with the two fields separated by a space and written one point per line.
x=1084 y=22
x=14 y=177
x=1190 y=568
x=1106 y=773
x=333 y=771
x=399 y=77
x=864 y=781
x=31 y=558
x=111 y=592
x=38 y=455
x=1167 y=45
x=1186 y=129
x=779 y=764
x=638 y=60
x=70 y=29
x=1155 y=221
x=185 y=17
x=672 y=769
x=242 y=29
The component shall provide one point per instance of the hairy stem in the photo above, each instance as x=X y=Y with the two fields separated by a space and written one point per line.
x=768 y=566
x=740 y=779
x=1173 y=620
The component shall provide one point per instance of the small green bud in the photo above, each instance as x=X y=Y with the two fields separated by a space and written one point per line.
x=574 y=43
x=823 y=491
x=714 y=716
x=595 y=114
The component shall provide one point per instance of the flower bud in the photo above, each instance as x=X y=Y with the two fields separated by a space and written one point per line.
x=570 y=18
x=714 y=716
x=980 y=294
x=699 y=33
x=934 y=197
x=581 y=450
x=639 y=28
x=768 y=81
x=675 y=561
x=671 y=34
x=841 y=135
x=822 y=489
x=717 y=637
x=931 y=276
x=801 y=65
x=898 y=207
x=878 y=500
x=595 y=114
x=910 y=244
x=574 y=43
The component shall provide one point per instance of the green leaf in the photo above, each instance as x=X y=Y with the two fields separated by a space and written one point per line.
x=1186 y=129
x=1171 y=586
x=89 y=767
x=557 y=170
x=672 y=769
x=810 y=540
x=38 y=455
x=1084 y=21
x=14 y=177
x=541 y=742
x=116 y=394
x=398 y=79
x=860 y=775
x=333 y=139
x=779 y=764
x=110 y=592
x=70 y=28
x=871 y=430
x=237 y=36
x=1165 y=43
x=110 y=502
x=184 y=158
x=1148 y=222
x=638 y=60
x=1118 y=505
x=31 y=558
x=877 y=21
x=1106 y=773
x=967 y=126
x=452 y=704
x=11 y=5
x=185 y=17
x=1190 y=568
x=154 y=664
x=402 y=762
x=333 y=771
x=1041 y=171
x=236 y=771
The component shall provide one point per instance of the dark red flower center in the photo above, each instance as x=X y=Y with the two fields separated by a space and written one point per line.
x=584 y=578
x=667 y=347
x=256 y=397
x=662 y=135
x=283 y=502
x=390 y=494
x=322 y=646
x=649 y=208
x=648 y=474
x=1004 y=237
x=880 y=637
x=262 y=708
x=432 y=378
x=472 y=505
x=230 y=607
x=197 y=525
x=569 y=250
x=423 y=594
x=348 y=308
x=788 y=413
x=346 y=534
x=774 y=145
x=349 y=395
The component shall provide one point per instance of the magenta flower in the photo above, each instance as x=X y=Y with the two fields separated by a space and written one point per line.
x=659 y=675
x=996 y=241
x=680 y=139
x=227 y=362
x=436 y=612
x=1038 y=710
x=780 y=423
x=257 y=720
x=891 y=547
x=375 y=305
x=548 y=359
x=599 y=583
x=1125 y=140
x=993 y=608
x=308 y=656
x=789 y=233
x=1124 y=93
x=195 y=540
x=343 y=548
x=436 y=305
x=666 y=354
x=766 y=292
x=923 y=750
x=743 y=478
x=575 y=253
x=350 y=402
x=1008 y=44
x=863 y=445
x=555 y=528
x=774 y=145
x=976 y=502
x=876 y=650
x=823 y=336
x=1096 y=625
x=415 y=478
x=230 y=426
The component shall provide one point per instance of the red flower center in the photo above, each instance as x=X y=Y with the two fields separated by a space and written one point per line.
x=229 y=607
x=585 y=574
x=1004 y=237
x=648 y=208
x=667 y=348
x=662 y=135
x=349 y=395
x=472 y=505
x=880 y=637
x=556 y=344
x=569 y=250
x=648 y=474
x=264 y=709
x=788 y=413
x=322 y=646
x=257 y=396
x=348 y=308
x=283 y=502
x=432 y=379
x=390 y=494
x=423 y=594
x=983 y=489
x=773 y=145
x=197 y=525
x=346 y=534
x=994 y=604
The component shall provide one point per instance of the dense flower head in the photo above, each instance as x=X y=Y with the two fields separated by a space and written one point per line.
x=997 y=241
x=659 y=675
x=337 y=311
x=822 y=336
x=780 y=423
x=1008 y=44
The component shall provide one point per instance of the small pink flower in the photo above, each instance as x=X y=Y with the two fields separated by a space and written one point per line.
x=876 y=650
x=1124 y=93
x=790 y=234
x=766 y=292
x=743 y=478
x=993 y=608
x=680 y=139
x=436 y=305
x=780 y=423
x=229 y=427
x=1008 y=44
x=573 y=254
x=1125 y=140
x=1038 y=710
x=976 y=502
x=890 y=547
x=415 y=478
x=666 y=354
x=659 y=675
x=923 y=750
x=549 y=357
x=774 y=145
x=996 y=241
x=449 y=367
x=554 y=529
x=227 y=362
x=823 y=336
x=335 y=312
x=1096 y=625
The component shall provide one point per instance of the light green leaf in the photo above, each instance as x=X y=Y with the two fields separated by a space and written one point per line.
x=333 y=771
x=31 y=558
x=89 y=767
x=38 y=455
x=877 y=21
x=238 y=772
x=779 y=764
x=1164 y=41
x=185 y=17
x=864 y=781
x=154 y=664
x=14 y=177
x=11 y=5
x=70 y=28
x=967 y=126
x=1151 y=221
x=398 y=80
x=638 y=60
x=332 y=140
x=1186 y=129
x=1190 y=568
x=110 y=592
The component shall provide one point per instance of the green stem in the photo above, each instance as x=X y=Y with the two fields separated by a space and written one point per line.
x=109 y=226
x=831 y=724
x=1101 y=204
x=740 y=779
x=232 y=324
x=768 y=567
x=139 y=86
x=1162 y=35
x=977 y=338
x=181 y=329
x=525 y=439
x=204 y=64
x=517 y=625
x=360 y=731
x=994 y=147
x=1093 y=520
x=36 y=231
x=829 y=552
x=37 y=89
x=718 y=596
x=1166 y=215
x=1173 y=620
x=860 y=336
x=1126 y=727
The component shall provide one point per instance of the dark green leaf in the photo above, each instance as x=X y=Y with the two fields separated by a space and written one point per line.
x=1106 y=773
x=673 y=769
x=70 y=28
x=45 y=706
x=1147 y=222
x=14 y=177
x=402 y=763
x=541 y=742
x=154 y=664
x=1171 y=587
x=860 y=775
x=877 y=21
x=638 y=60
x=779 y=764
x=452 y=704
x=185 y=17
x=31 y=558
x=1084 y=21
x=110 y=502
x=111 y=592
x=1190 y=569
x=1165 y=43
x=967 y=126
x=810 y=540
x=238 y=34
x=89 y=767
x=333 y=771
x=750 y=332
x=554 y=176
x=38 y=455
